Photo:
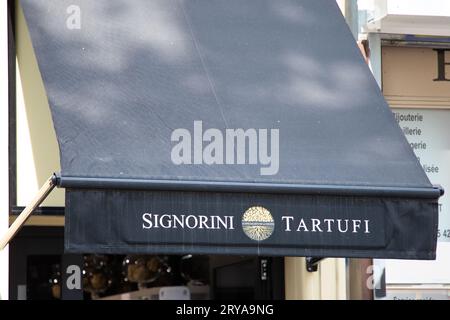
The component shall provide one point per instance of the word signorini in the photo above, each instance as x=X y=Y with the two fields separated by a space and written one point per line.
x=181 y=221
x=289 y=223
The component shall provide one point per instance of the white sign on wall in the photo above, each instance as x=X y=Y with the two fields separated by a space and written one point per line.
x=428 y=131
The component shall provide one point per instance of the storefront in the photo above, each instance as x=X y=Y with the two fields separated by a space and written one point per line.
x=203 y=143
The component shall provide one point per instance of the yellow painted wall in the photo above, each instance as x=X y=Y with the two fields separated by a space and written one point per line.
x=37 y=148
x=328 y=283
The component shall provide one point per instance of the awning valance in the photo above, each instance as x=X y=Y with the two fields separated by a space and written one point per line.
x=237 y=127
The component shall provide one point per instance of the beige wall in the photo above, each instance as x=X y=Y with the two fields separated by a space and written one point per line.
x=408 y=75
x=342 y=5
x=328 y=283
x=37 y=149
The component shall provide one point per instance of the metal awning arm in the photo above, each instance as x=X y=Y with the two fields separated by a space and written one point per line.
x=312 y=263
x=25 y=214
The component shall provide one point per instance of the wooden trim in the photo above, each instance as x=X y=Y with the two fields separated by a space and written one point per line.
x=418 y=102
x=41 y=221
x=358 y=279
x=419 y=106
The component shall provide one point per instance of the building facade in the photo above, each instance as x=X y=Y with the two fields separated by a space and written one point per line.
x=409 y=52
x=33 y=155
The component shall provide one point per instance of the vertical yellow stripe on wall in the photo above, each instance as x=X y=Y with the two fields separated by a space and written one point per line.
x=328 y=283
x=37 y=148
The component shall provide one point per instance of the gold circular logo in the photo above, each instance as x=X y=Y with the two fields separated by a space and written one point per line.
x=257 y=223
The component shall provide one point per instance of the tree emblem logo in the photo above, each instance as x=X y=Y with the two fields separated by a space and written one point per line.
x=258 y=223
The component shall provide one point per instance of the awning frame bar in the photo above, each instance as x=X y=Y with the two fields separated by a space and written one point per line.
x=247 y=187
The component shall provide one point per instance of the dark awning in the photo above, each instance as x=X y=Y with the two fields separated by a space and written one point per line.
x=148 y=97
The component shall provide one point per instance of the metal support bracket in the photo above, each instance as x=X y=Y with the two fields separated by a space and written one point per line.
x=312 y=263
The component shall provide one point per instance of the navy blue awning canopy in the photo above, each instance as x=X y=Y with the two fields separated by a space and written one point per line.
x=228 y=127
